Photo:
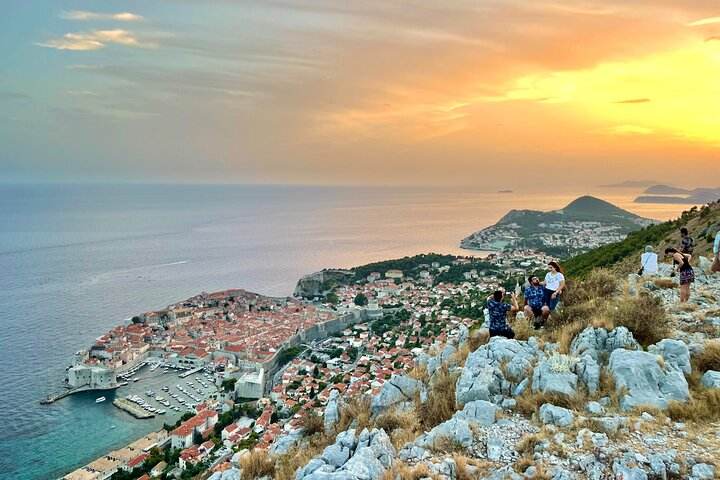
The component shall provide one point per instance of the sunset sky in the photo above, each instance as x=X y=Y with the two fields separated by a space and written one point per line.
x=489 y=92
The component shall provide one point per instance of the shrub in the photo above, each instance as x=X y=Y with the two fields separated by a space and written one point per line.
x=355 y=408
x=703 y=406
x=257 y=464
x=523 y=328
x=709 y=358
x=644 y=315
x=312 y=423
x=664 y=283
x=440 y=404
x=599 y=283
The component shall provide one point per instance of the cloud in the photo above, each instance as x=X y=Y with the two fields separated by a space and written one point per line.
x=81 y=15
x=93 y=40
x=704 y=21
x=635 y=100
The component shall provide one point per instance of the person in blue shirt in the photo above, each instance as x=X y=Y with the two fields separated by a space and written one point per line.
x=498 y=310
x=535 y=310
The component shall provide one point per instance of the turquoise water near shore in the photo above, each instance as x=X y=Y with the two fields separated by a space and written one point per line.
x=77 y=260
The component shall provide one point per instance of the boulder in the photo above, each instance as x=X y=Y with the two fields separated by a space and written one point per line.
x=711 y=379
x=595 y=408
x=332 y=411
x=364 y=465
x=703 y=471
x=599 y=343
x=397 y=392
x=413 y=452
x=482 y=379
x=284 y=442
x=588 y=370
x=456 y=430
x=336 y=455
x=674 y=353
x=704 y=265
x=478 y=412
x=646 y=382
x=555 y=375
x=562 y=417
x=495 y=447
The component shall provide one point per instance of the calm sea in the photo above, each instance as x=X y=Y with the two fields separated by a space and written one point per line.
x=76 y=261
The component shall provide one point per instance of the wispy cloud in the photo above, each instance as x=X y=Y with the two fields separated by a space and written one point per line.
x=704 y=21
x=635 y=100
x=94 y=40
x=82 y=15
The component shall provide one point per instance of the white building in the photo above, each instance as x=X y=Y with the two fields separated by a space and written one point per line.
x=93 y=376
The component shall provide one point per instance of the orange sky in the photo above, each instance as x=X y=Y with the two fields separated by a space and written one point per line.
x=392 y=92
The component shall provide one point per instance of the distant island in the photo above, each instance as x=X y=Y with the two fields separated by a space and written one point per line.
x=630 y=184
x=670 y=194
x=505 y=191
x=582 y=225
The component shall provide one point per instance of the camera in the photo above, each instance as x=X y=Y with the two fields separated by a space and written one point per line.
x=508 y=294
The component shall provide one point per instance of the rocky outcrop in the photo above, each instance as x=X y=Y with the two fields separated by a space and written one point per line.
x=318 y=283
x=398 y=392
x=645 y=380
x=598 y=343
x=711 y=379
x=332 y=411
x=482 y=377
x=364 y=458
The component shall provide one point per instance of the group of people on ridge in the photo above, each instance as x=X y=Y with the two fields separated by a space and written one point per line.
x=542 y=297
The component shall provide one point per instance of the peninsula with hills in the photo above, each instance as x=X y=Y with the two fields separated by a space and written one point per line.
x=585 y=223
x=675 y=195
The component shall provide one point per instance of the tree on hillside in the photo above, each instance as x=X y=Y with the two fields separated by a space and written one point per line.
x=360 y=300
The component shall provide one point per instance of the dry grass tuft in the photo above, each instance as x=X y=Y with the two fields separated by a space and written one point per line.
x=529 y=402
x=402 y=471
x=523 y=328
x=703 y=406
x=477 y=339
x=440 y=404
x=564 y=334
x=402 y=427
x=355 y=408
x=256 y=464
x=447 y=444
x=419 y=372
x=664 y=283
x=709 y=358
x=312 y=423
x=599 y=284
x=644 y=315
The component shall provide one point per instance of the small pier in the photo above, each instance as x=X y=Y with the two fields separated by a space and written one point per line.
x=69 y=391
x=132 y=409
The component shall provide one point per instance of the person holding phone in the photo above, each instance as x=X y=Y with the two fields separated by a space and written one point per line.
x=498 y=310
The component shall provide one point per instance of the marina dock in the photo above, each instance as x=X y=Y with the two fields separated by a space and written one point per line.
x=132 y=409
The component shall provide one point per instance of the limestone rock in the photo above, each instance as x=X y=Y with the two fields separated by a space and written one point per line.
x=646 y=382
x=703 y=471
x=332 y=411
x=711 y=379
x=397 y=391
x=599 y=343
x=479 y=412
x=674 y=352
x=555 y=375
x=562 y=417
x=455 y=430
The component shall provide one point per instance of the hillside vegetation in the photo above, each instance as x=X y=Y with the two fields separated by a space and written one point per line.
x=623 y=256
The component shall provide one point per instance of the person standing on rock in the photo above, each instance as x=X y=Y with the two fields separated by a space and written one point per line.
x=681 y=264
x=534 y=309
x=498 y=310
x=687 y=243
x=716 y=249
x=554 y=285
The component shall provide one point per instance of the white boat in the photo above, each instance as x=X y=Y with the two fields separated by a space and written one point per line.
x=99 y=400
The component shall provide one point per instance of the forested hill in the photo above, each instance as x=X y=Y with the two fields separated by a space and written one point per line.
x=623 y=256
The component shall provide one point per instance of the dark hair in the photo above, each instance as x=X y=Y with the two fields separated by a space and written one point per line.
x=670 y=250
x=498 y=295
x=557 y=266
x=530 y=278
x=684 y=231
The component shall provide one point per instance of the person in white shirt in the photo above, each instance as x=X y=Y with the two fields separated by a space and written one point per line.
x=554 y=285
x=648 y=262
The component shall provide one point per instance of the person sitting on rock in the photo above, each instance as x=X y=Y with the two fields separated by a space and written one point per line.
x=498 y=310
x=716 y=250
x=534 y=308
